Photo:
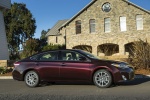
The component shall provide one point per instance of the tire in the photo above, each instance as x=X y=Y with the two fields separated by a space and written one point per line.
x=102 y=78
x=31 y=79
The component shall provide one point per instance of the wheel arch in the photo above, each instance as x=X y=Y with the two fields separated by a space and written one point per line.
x=28 y=71
x=101 y=68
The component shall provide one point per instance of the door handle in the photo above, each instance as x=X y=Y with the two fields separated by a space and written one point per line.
x=36 y=63
x=63 y=64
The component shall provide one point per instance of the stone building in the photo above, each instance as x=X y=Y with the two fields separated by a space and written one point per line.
x=54 y=36
x=4 y=55
x=107 y=27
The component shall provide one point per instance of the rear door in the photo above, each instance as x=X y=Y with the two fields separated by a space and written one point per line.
x=48 y=66
x=71 y=68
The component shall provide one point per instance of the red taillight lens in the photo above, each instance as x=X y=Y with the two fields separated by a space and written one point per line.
x=16 y=64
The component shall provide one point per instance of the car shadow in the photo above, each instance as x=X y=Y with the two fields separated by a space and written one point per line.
x=43 y=84
x=139 y=79
x=136 y=81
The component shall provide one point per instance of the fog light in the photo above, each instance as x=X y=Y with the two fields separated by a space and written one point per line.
x=124 y=78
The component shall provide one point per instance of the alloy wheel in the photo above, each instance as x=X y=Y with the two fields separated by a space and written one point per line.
x=102 y=78
x=31 y=79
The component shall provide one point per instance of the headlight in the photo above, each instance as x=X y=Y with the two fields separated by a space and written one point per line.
x=121 y=65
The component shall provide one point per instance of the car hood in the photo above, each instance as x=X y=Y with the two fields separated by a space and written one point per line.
x=104 y=62
x=112 y=61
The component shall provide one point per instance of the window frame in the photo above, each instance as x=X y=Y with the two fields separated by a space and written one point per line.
x=92 y=25
x=56 y=39
x=78 y=26
x=123 y=24
x=41 y=54
x=67 y=51
x=139 y=20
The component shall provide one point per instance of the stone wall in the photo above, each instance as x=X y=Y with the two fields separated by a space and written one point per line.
x=3 y=63
x=60 y=39
x=119 y=8
x=51 y=39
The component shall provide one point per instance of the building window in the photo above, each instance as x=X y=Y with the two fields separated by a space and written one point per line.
x=92 y=25
x=107 y=25
x=78 y=27
x=56 y=39
x=123 y=26
x=139 y=22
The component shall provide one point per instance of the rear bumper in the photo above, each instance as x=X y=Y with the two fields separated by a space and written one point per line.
x=17 y=75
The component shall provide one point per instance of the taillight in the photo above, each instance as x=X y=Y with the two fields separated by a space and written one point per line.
x=16 y=64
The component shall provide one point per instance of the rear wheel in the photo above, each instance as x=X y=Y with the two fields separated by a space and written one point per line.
x=102 y=78
x=31 y=79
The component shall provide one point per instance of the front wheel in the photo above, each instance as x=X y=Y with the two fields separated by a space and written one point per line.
x=102 y=78
x=31 y=79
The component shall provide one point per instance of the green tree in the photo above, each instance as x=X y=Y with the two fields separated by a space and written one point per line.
x=43 y=34
x=20 y=26
x=43 y=40
x=30 y=47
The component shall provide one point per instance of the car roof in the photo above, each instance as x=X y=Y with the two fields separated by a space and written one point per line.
x=57 y=50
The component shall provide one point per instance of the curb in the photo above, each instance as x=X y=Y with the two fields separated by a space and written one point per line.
x=6 y=77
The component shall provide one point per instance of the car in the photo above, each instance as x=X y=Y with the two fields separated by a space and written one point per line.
x=71 y=65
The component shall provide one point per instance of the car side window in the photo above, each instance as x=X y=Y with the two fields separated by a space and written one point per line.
x=49 y=56
x=70 y=56
x=34 y=58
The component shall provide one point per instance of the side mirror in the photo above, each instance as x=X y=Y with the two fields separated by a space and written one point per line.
x=82 y=58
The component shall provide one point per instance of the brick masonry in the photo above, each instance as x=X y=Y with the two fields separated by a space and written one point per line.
x=118 y=8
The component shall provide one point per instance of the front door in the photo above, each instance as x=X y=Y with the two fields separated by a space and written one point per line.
x=72 y=68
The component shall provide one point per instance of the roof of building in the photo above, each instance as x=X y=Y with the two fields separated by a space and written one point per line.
x=55 y=29
x=5 y=4
x=93 y=1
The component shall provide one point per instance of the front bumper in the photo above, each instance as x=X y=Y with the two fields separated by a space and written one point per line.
x=127 y=74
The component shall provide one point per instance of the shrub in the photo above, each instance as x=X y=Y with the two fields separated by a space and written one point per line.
x=3 y=70
x=140 y=57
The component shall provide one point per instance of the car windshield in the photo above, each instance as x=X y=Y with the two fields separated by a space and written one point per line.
x=90 y=55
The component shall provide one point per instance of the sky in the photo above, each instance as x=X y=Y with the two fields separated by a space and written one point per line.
x=48 y=12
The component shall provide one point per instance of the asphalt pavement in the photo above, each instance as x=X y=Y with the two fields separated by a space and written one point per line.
x=138 y=89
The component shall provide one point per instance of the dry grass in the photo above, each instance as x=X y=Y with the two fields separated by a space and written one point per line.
x=140 y=56
x=142 y=71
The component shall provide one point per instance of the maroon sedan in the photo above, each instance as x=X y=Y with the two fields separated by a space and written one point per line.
x=71 y=65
